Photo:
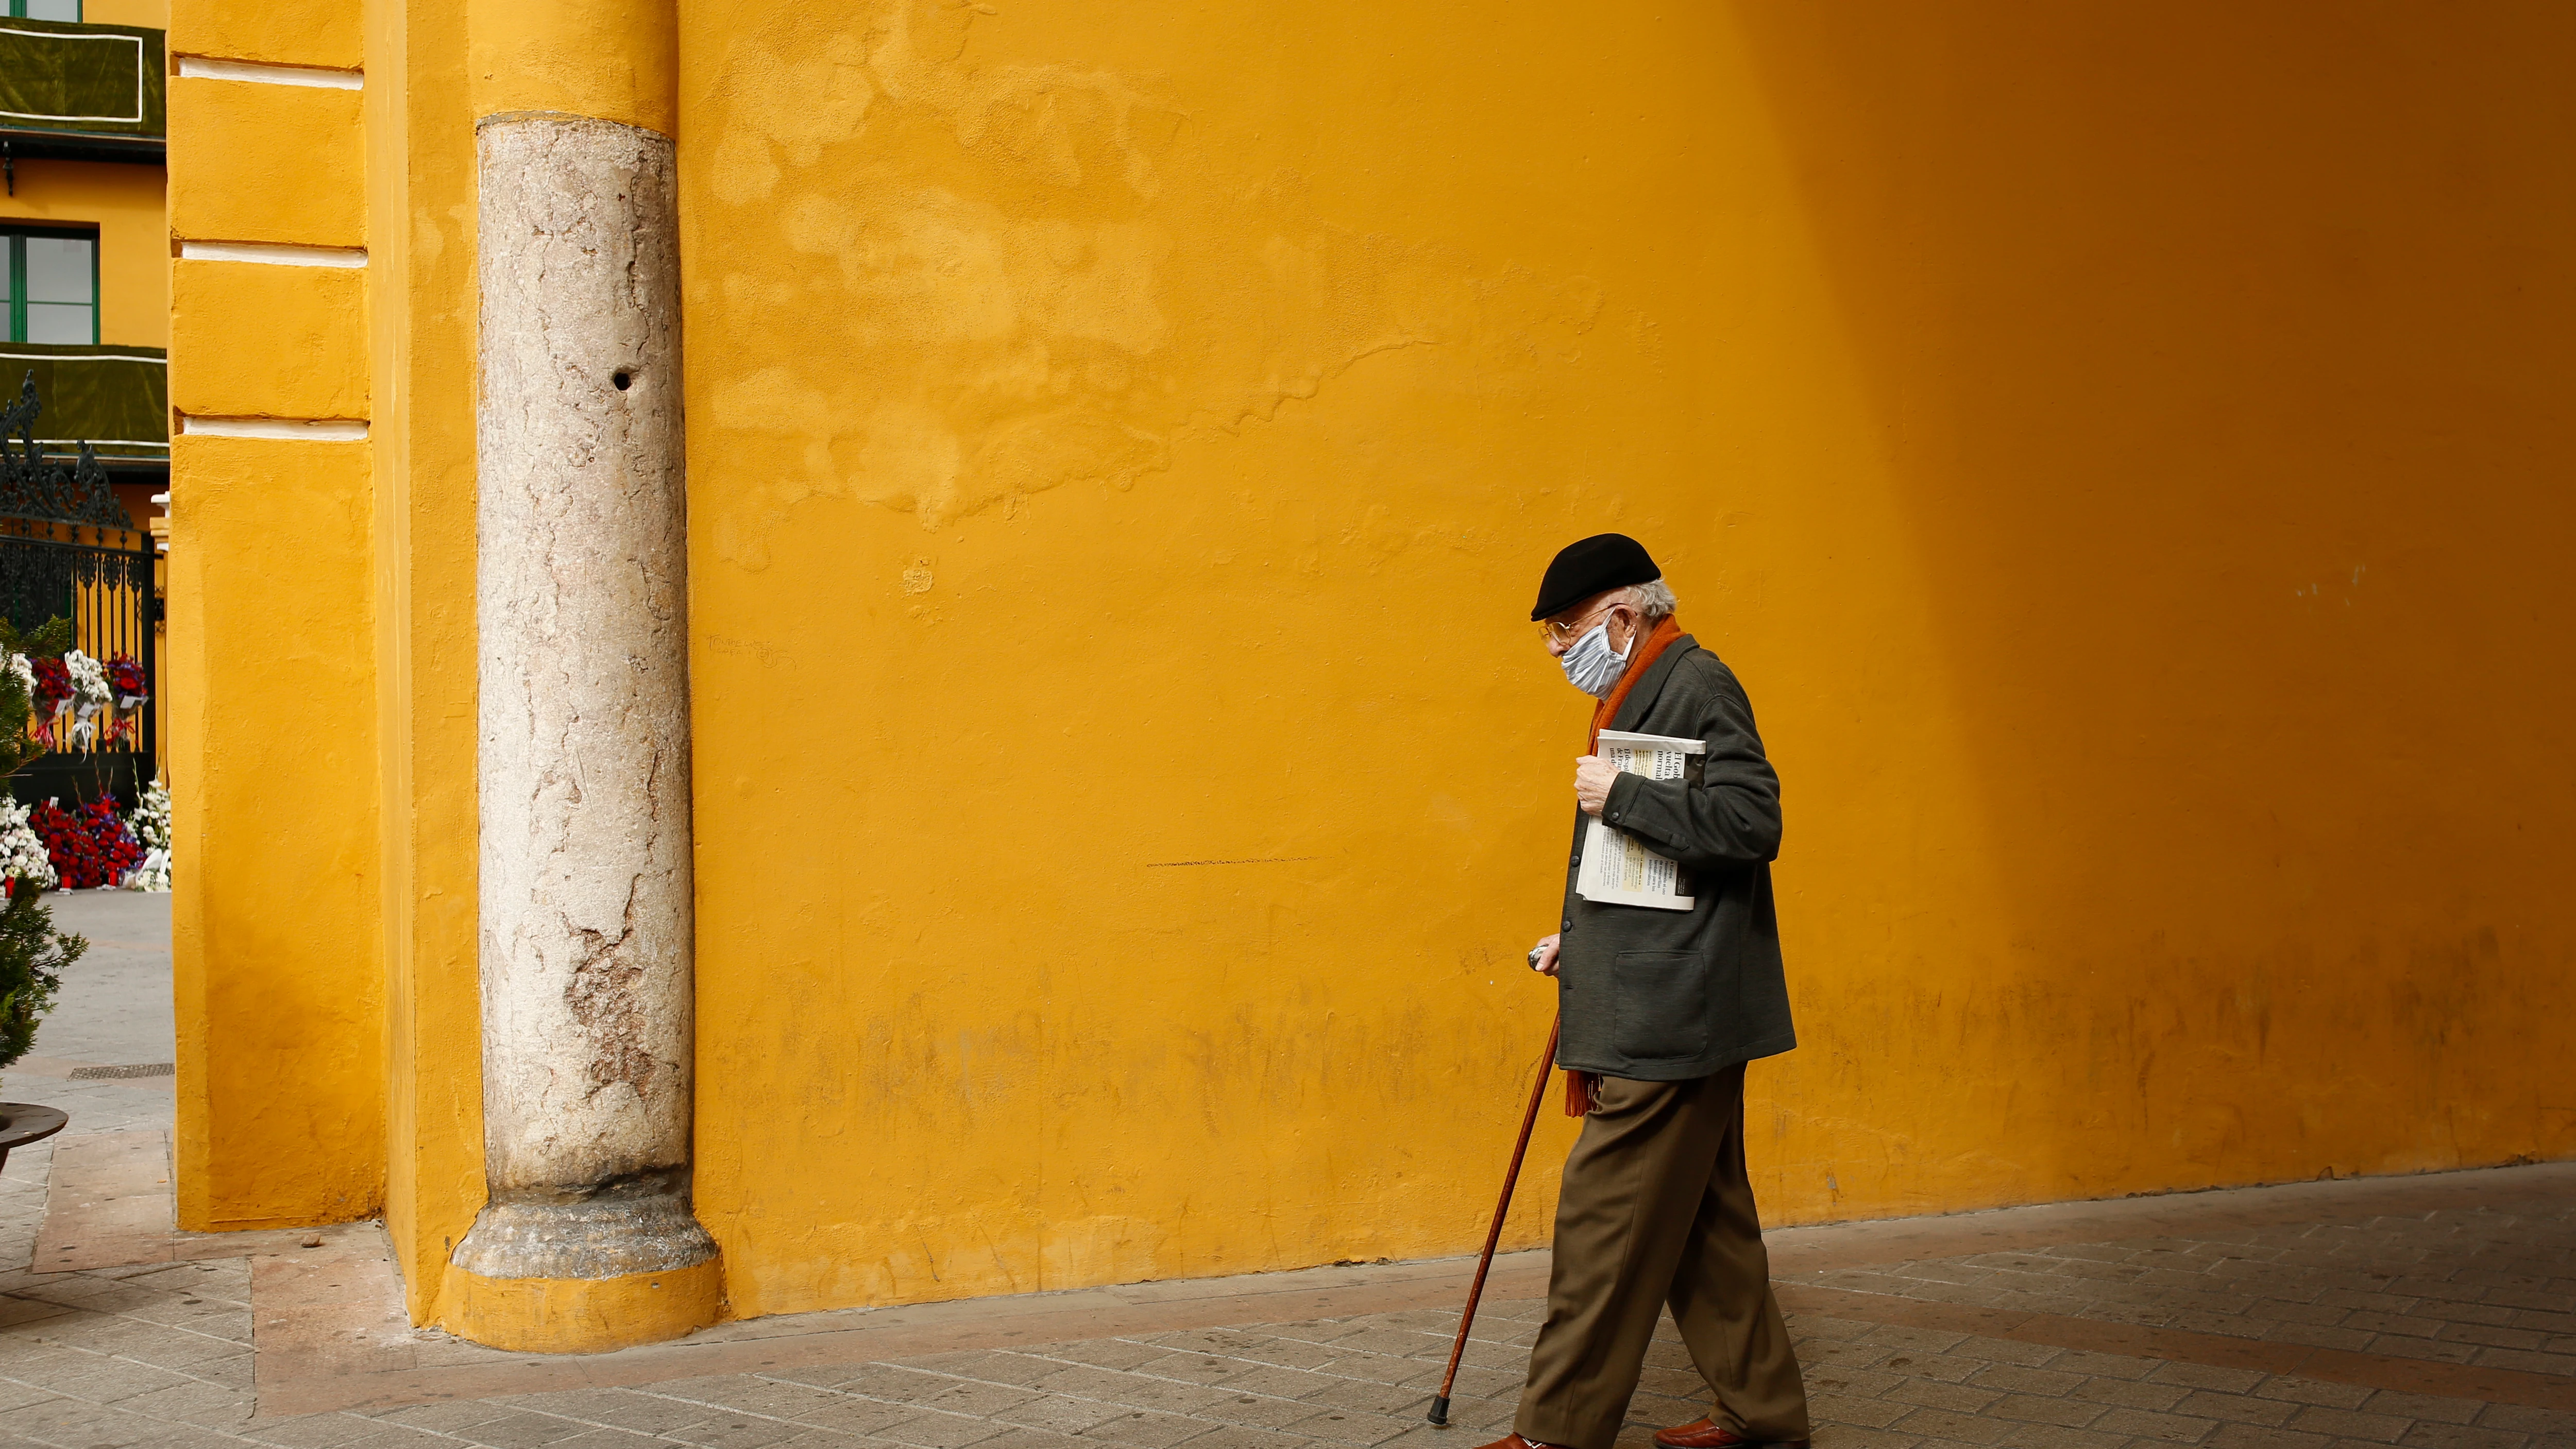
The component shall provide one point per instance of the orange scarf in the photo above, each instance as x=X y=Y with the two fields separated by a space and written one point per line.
x=1583 y=1089
x=1640 y=659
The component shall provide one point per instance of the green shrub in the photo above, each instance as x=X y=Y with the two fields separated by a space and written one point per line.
x=32 y=957
x=32 y=953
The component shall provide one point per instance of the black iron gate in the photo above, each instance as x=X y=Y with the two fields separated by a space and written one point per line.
x=68 y=549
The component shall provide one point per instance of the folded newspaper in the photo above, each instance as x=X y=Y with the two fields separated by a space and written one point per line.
x=1618 y=869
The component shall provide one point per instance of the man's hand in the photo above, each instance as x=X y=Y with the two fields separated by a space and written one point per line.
x=1592 y=777
x=1543 y=956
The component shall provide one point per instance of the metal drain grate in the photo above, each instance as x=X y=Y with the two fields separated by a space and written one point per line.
x=147 y=1069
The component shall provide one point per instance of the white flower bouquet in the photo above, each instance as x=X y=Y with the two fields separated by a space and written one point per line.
x=22 y=855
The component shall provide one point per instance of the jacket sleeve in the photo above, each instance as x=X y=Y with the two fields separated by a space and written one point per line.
x=1732 y=816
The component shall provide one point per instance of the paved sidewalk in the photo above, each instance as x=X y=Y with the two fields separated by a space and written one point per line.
x=114 y=1015
x=2434 y=1312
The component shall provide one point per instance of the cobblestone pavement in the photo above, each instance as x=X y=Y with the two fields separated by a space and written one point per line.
x=2373 y=1298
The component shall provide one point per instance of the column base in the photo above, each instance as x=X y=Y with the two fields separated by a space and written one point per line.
x=585 y=1271
x=583 y=1315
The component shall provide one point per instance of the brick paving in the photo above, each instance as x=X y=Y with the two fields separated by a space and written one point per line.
x=163 y=1353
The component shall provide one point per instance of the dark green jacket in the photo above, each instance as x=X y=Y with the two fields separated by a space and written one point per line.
x=1665 y=996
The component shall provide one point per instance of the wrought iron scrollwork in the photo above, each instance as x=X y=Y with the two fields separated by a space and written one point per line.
x=41 y=577
x=34 y=487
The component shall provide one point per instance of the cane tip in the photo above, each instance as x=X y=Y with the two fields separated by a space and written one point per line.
x=1439 y=1415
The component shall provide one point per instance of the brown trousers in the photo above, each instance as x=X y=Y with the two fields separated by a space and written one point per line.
x=1656 y=1209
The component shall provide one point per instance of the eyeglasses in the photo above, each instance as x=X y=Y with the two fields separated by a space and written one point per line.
x=1563 y=631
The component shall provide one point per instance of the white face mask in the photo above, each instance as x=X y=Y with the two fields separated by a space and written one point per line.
x=1591 y=665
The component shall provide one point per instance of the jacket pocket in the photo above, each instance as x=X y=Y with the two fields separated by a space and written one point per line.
x=1660 y=1003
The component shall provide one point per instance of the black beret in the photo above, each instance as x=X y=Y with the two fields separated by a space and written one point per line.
x=1596 y=565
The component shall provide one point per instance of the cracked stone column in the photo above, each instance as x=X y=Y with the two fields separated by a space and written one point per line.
x=588 y=1240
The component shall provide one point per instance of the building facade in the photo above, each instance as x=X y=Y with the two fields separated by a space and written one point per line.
x=868 y=654
x=84 y=328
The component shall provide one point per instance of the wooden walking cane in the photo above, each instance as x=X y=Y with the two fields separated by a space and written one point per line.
x=1439 y=1414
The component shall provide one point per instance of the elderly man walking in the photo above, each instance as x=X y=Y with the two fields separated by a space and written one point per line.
x=1661 y=1009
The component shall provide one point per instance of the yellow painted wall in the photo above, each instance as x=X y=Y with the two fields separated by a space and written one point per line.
x=151 y=14
x=273 y=826
x=612 y=59
x=279 y=941
x=392 y=587
x=124 y=202
x=2214 y=399
x=1123 y=445
x=310 y=357
x=290 y=32
x=251 y=161
x=420 y=166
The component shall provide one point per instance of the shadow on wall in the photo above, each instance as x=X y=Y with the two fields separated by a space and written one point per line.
x=2221 y=356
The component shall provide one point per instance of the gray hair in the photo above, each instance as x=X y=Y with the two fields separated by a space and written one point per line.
x=1652 y=601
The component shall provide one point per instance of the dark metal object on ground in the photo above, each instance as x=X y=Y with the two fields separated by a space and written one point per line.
x=25 y=1122
x=1439 y=1415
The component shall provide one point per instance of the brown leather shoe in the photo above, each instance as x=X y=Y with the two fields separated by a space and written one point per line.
x=1705 y=1434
